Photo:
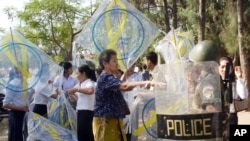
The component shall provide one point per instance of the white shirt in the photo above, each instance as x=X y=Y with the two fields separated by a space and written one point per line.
x=85 y=101
x=66 y=84
x=43 y=93
x=239 y=91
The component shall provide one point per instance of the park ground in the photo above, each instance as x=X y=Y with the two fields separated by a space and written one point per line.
x=244 y=119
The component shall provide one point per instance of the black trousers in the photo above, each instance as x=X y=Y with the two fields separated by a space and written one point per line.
x=84 y=125
x=25 y=126
x=15 y=125
x=41 y=110
x=233 y=119
x=128 y=136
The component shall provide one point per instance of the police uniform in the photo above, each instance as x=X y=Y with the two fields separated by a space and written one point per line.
x=207 y=91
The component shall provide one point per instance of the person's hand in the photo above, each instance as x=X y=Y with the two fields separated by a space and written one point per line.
x=238 y=72
x=158 y=84
x=148 y=84
x=71 y=91
x=73 y=98
x=210 y=108
x=25 y=108
x=124 y=76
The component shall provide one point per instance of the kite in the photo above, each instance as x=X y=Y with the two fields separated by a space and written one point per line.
x=20 y=57
x=46 y=130
x=17 y=52
x=119 y=26
x=174 y=48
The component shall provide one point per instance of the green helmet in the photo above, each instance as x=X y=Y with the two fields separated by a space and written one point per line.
x=204 y=51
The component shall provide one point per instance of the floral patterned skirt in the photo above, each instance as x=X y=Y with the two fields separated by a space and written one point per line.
x=108 y=129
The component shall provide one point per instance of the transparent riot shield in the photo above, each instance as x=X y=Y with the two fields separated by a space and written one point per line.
x=143 y=116
x=190 y=107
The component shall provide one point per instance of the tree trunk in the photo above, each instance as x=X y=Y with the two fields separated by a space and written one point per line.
x=202 y=19
x=174 y=12
x=166 y=16
x=244 y=60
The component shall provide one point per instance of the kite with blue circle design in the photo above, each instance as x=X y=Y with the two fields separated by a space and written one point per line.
x=119 y=26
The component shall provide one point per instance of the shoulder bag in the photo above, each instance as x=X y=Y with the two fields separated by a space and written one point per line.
x=240 y=104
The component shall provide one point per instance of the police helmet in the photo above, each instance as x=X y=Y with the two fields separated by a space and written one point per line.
x=205 y=50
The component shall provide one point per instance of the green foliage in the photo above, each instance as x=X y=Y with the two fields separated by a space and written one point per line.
x=246 y=37
x=221 y=22
x=229 y=31
x=50 y=24
x=53 y=24
x=188 y=17
x=58 y=58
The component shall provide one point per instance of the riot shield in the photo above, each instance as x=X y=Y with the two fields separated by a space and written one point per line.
x=190 y=107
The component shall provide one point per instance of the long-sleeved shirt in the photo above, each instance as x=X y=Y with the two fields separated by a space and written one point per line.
x=239 y=91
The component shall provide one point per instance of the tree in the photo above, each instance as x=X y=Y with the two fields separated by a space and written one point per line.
x=52 y=24
x=202 y=19
x=188 y=17
x=229 y=29
x=166 y=18
x=174 y=13
x=244 y=52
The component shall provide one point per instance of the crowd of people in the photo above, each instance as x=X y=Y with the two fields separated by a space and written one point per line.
x=94 y=101
x=102 y=98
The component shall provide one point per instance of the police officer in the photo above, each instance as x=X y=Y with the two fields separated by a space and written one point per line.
x=208 y=95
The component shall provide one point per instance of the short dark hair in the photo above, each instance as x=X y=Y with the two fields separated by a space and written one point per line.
x=66 y=65
x=230 y=61
x=144 y=66
x=152 y=56
x=89 y=72
x=61 y=64
x=105 y=56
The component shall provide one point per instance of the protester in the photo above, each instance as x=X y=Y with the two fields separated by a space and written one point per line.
x=130 y=76
x=44 y=93
x=110 y=106
x=145 y=73
x=68 y=81
x=151 y=65
x=84 y=91
x=239 y=90
x=16 y=103
x=140 y=69
x=151 y=60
